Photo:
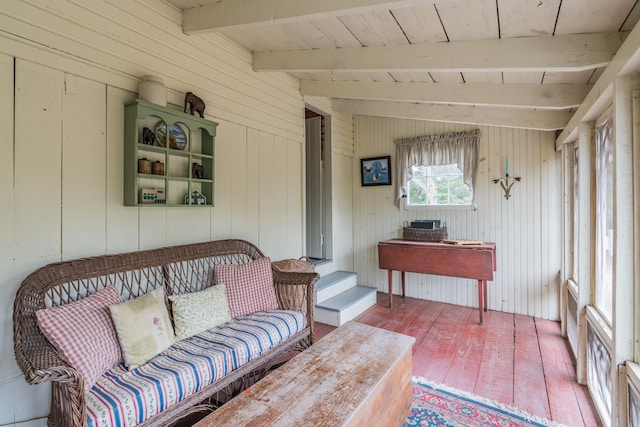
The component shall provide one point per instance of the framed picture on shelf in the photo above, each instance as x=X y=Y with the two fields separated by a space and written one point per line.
x=375 y=171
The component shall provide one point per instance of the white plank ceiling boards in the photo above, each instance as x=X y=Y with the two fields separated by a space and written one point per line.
x=485 y=61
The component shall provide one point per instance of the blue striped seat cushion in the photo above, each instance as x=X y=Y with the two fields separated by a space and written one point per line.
x=126 y=398
x=249 y=337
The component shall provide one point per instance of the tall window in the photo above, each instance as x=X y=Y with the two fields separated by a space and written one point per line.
x=604 y=218
x=575 y=226
x=437 y=170
x=573 y=296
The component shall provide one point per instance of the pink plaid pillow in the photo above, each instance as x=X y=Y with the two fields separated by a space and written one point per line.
x=83 y=333
x=249 y=286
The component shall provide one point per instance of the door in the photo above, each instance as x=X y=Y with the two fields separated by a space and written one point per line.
x=314 y=188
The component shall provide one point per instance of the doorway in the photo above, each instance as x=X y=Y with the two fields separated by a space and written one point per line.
x=318 y=184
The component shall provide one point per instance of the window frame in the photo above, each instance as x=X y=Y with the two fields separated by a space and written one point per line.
x=575 y=209
x=606 y=312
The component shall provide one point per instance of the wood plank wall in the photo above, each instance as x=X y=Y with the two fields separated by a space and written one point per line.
x=61 y=164
x=526 y=228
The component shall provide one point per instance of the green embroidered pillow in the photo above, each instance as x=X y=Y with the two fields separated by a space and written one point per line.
x=199 y=311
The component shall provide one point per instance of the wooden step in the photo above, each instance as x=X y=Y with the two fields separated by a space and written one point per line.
x=347 y=305
x=334 y=283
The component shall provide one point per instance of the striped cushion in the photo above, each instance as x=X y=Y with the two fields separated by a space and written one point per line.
x=125 y=398
x=251 y=336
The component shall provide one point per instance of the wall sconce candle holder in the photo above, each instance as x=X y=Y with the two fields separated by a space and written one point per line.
x=506 y=183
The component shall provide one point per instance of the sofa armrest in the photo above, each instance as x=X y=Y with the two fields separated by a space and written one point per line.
x=297 y=291
x=43 y=365
x=39 y=360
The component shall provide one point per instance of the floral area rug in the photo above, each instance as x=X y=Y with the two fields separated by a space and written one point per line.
x=436 y=405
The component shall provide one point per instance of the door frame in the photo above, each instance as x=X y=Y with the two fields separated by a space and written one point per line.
x=326 y=183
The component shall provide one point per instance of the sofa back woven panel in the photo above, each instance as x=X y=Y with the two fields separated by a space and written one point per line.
x=131 y=284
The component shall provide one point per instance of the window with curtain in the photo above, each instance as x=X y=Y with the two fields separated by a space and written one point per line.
x=604 y=219
x=437 y=170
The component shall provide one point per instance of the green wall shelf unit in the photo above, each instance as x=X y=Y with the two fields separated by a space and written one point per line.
x=159 y=170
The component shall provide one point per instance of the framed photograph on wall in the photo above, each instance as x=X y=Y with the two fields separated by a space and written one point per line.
x=375 y=171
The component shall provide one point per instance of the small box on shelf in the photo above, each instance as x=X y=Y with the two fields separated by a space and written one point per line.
x=144 y=165
x=152 y=196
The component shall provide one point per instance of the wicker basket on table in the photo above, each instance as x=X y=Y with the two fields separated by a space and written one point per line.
x=424 y=234
x=300 y=265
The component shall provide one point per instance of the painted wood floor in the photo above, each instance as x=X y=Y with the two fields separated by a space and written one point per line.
x=517 y=360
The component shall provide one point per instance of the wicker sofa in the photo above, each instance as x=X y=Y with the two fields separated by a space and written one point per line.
x=179 y=270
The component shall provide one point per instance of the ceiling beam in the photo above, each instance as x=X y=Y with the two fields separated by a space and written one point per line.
x=548 y=96
x=626 y=61
x=237 y=14
x=489 y=116
x=576 y=52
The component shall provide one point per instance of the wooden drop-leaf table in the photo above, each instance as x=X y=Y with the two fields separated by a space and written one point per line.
x=466 y=261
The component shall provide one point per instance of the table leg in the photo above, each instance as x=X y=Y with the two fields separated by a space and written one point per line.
x=480 y=301
x=402 y=274
x=486 y=306
x=390 y=279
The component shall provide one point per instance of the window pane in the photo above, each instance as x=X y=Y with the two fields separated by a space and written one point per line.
x=604 y=220
x=634 y=407
x=459 y=193
x=440 y=185
x=437 y=190
x=598 y=369
x=417 y=192
x=576 y=213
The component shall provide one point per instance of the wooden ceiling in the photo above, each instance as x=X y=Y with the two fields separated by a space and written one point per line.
x=516 y=63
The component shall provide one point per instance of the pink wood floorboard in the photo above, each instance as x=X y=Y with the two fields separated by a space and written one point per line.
x=465 y=366
x=517 y=360
x=529 y=388
x=495 y=379
x=566 y=397
x=448 y=334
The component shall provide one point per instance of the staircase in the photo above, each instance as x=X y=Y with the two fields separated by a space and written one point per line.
x=339 y=298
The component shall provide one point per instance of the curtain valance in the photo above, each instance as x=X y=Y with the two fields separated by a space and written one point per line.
x=459 y=148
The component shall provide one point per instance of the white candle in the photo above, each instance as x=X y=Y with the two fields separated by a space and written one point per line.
x=506 y=165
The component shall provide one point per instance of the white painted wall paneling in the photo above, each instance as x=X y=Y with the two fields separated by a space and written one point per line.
x=230 y=216
x=7 y=241
x=122 y=223
x=210 y=65
x=37 y=165
x=6 y=189
x=83 y=166
x=526 y=228
x=77 y=66
x=37 y=198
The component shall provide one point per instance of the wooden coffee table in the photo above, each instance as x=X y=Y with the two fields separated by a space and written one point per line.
x=357 y=375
